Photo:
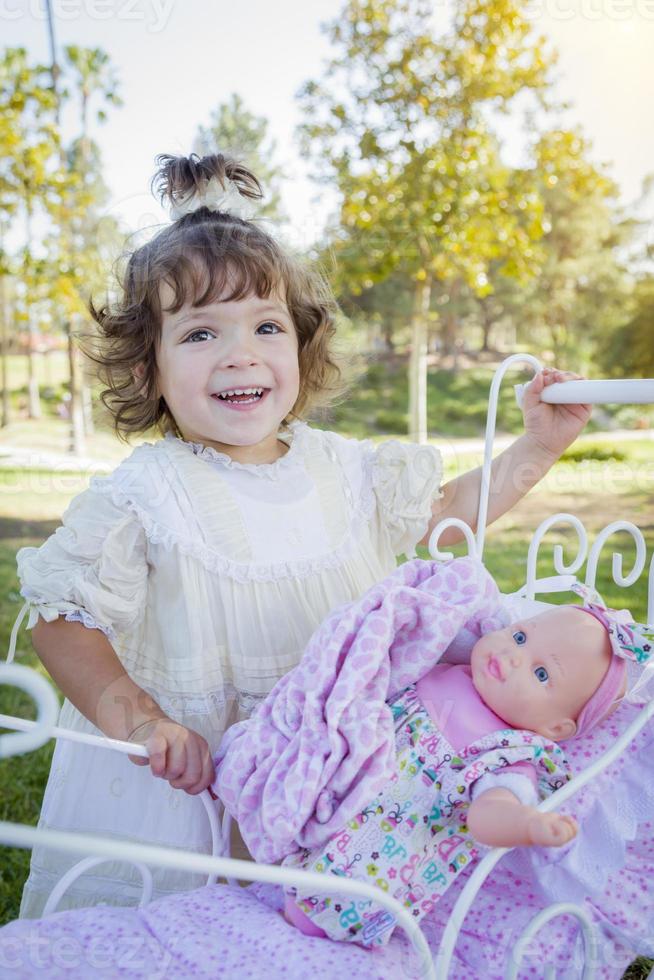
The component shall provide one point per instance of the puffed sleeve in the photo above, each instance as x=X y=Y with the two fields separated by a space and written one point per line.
x=93 y=568
x=406 y=478
x=520 y=779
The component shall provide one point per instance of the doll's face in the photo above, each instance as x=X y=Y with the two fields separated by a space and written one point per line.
x=537 y=674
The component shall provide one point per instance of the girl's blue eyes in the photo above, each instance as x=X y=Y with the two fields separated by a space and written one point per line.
x=542 y=675
x=520 y=637
x=199 y=335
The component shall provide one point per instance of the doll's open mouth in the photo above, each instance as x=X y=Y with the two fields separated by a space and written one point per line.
x=494 y=668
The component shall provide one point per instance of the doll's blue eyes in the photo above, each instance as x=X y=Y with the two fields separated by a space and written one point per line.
x=540 y=673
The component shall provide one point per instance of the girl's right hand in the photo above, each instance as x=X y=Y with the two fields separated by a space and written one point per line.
x=176 y=753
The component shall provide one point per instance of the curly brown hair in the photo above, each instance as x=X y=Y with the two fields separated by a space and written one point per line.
x=204 y=255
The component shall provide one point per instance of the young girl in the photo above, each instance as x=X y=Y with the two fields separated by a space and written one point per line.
x=184 y=585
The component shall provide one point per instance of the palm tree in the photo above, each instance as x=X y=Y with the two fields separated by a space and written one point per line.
x=81 y=192
x=94 y=78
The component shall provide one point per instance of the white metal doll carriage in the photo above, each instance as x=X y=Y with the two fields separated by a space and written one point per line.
x=434 y=958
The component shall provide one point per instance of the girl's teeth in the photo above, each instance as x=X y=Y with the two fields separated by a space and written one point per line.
x=255 y=394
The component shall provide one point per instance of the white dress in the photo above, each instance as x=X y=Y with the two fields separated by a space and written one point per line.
x=208 y=576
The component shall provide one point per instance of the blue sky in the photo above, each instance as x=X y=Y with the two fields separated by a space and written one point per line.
x=177 y=59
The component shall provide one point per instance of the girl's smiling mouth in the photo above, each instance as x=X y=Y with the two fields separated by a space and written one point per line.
x=241 y=398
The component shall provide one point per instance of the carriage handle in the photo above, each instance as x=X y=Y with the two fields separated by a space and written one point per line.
x=38 y=733
x=630 y=391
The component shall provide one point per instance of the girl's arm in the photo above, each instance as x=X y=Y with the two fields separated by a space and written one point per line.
x=85 y=667
x=549 y=430
x=498 y=818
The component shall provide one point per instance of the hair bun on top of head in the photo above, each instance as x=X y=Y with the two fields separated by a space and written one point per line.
x=215 y=182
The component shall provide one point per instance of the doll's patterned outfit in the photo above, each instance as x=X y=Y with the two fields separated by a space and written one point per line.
x=412 y=839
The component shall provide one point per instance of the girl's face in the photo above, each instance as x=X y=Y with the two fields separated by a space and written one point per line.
x=229 y=373
x=538 y=674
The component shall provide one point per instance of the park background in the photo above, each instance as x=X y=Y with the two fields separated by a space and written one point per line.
x=474 y=178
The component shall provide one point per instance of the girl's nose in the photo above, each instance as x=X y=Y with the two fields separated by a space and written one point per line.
x=239 y=353
x=240 y=359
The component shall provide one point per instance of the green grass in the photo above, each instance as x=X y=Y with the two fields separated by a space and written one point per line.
x=457 y=402
x=598 y=489
x=22 y=780
x=51 y=369
x=51 y=372
x=376 y=404
x=51 y=435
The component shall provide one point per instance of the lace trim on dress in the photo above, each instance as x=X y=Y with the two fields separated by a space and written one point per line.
x=214 y=562
x=270 y=471
x=241 y=571
x=81 y=616
x=248 y=702
x=50 y=611
x=610 y=810
x=209 y=702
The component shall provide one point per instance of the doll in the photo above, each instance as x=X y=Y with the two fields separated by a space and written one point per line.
x=476 y=747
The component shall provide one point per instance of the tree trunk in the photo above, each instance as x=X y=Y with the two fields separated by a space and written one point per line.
x=486 y=327
x=557 y=333
x=448 y=333
x=77 y=443
x=87 y=398
x=5 y=412
x=418 y=363
x=87 y=407
x=33 y=398
x=450 y=320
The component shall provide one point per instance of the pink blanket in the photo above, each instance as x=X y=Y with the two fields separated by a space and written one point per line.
x=321 y=745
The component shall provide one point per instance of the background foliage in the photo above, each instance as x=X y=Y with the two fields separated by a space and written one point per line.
x=442 y=254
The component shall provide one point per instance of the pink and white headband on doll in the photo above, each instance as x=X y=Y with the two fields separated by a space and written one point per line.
x=631 y=669
x=216 y=197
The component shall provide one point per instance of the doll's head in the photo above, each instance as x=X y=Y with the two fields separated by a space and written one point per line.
x=555 y=674
x=198 y=269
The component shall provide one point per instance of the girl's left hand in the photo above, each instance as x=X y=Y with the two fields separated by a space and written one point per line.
x=552 y=427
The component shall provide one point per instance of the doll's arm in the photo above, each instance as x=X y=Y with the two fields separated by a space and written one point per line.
x=496 y=817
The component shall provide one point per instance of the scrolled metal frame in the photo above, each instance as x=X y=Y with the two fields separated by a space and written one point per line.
x=30 y=735
x=101 y=849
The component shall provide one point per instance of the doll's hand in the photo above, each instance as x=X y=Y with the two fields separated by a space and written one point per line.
x=551 y=829
x=176 y=753
x=552 y=427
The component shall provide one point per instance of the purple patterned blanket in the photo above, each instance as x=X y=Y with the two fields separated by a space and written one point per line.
x=321 y=745
x=239 y=932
